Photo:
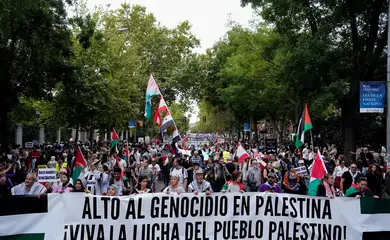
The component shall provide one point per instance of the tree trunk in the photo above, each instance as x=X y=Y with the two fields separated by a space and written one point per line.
x=256 y=136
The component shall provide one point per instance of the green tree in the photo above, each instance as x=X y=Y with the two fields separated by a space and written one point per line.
x=333 y=45
x=34 y=49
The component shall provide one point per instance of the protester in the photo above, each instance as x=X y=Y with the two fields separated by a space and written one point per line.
x=174 y=187
x=235 y=184
x=326 y=188
x=338 y=172
x=359 y=189
x=199 y=185
x=112 y=190
x=270 y=185
x=254 y=177
x=65 y=185
x=291 y=181
x=350 y=177
x=78 y=187
x=29 y=187
x=374 y=179
x=142 y=186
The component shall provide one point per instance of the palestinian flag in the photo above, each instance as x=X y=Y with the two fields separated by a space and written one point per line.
x=167 y=122
x=162 y=106
x=354 y=189
x=241 y=153
x=317 y=173
x=151 y=90
x=127 y=153
x=304 y=125
x=28 y=218
x=114 y=141
x=79 y=164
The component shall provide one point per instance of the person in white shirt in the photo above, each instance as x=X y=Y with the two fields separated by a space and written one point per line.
x=305 y=153
x=338 y=172
x=155 y=169
x=180 y=172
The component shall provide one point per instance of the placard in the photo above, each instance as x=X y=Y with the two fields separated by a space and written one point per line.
x=372 y=97
x=271 y=145
x=47 y=175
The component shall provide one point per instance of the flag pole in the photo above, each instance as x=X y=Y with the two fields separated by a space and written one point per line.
x=312 y=142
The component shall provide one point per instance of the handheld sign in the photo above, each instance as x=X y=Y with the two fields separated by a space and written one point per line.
x=47 y=175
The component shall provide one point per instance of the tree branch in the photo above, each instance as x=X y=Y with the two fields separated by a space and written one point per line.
x=374 y=27
x=310 y=17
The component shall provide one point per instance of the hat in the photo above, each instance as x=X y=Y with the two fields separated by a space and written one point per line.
x=271 y=174
x=53 y=158
x=199 y=171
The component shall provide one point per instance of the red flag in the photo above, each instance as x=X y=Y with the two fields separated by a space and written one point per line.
x=162 y=106
x=79 y=160
x=241 y=153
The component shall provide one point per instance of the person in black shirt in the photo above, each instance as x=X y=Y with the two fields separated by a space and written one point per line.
x=4 y=190
x=350 y=177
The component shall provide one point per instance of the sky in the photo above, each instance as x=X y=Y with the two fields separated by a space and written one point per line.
x=208 y=18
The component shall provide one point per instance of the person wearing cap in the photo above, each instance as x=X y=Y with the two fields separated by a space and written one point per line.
x=270 y=185
x=199 y=185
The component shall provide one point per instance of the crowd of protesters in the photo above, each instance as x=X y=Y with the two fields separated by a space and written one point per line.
x=207 y=169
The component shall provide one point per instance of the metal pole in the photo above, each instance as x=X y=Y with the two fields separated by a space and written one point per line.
x=388 y=91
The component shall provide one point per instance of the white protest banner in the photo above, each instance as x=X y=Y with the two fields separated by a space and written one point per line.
x=77 y=216
x=29 y=144
x=47 y=175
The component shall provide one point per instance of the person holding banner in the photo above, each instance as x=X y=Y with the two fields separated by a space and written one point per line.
x=29 y=187
x=326 y=188
x=174 y=187
x=65 y=185
x=235 y=184
x=199 y=185
x=142 y=186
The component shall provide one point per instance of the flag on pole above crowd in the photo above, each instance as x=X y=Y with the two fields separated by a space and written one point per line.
x=79 y=164
x=114 y=141
x=241 y=153
x=317 y=173
x=303 y=126
x=162 y=106
x=162 y=117
x=151 y=90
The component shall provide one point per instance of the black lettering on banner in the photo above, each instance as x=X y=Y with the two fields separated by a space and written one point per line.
x=300 y=200
x=285 y=212
x=272 y=229
x=296 y=230
x=87 y=209
x=243 y=230
x=223 y=208
x=135 y=231
x=154 y=209
x=209 y=206
x=175 y=232
x=189 y=231
x=236 y=205
x=198 y=230
x=100 y=234
x=184 y=205
x=293 y=210
x=201 y=207
x=105 y=206
x=65 y=232
x=155 y=228
x=95 y=210
x=139 y=204
x=259 y=229
x=122 y=233
x=259 y=204
x=90 y=231
x=130 y=212
x=281 y=232
x=115 y=205
x=74 y=231
x=164 y=206
x=235 y=229
x=217 y=229
x=174 y=207
x=165 y=231
x=111 y=232
x=268 y=207
x=305 y=227
x=326 y=212
x=194 y=210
